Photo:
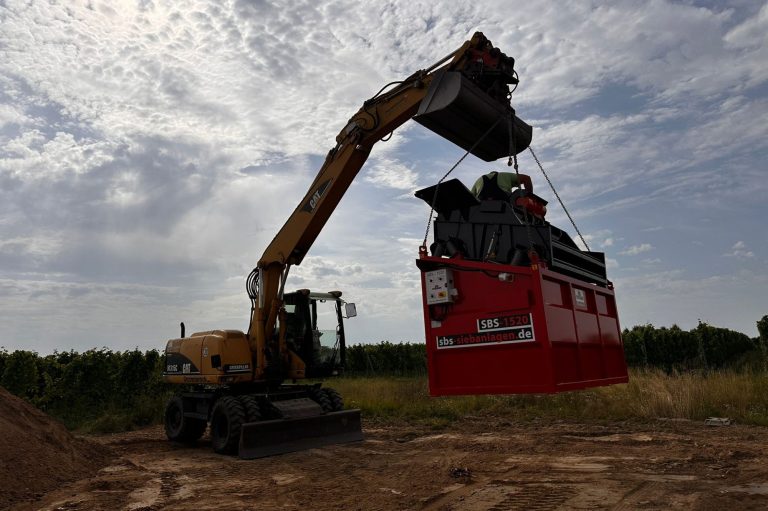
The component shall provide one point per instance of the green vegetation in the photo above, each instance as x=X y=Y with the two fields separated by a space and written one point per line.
x=94 y=391
x=649 y=394
x=706 y=371
x=674 y=349
x=386 y=358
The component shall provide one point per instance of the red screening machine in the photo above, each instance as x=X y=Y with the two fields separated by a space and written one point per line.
x=511 y=304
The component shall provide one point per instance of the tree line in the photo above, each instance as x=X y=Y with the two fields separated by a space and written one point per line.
x=703 y=347
x=101 y=389
x=106 y=390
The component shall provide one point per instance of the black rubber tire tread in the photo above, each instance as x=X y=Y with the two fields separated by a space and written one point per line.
x=226 y=421
x=179 y=428
x=251 y=407
x=337 y=402
x=317 y=395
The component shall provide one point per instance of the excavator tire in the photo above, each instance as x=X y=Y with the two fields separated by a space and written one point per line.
x=227 y=419
x=179 y=428
x=317 y=395
x=251 y=407
x=337 y=402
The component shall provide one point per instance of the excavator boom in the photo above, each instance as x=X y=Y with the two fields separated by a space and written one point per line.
x=465 y=100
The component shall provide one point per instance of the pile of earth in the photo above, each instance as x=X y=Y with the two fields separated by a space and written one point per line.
x=38 y=454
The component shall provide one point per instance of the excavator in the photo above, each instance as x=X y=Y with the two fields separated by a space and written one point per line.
x=245 y=384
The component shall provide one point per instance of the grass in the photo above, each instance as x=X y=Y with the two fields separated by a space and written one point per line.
x=143 y=412
x=650 y=394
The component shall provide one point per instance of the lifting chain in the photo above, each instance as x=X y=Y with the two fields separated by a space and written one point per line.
x=437 y=186
x=513 y=161
x=530 y=148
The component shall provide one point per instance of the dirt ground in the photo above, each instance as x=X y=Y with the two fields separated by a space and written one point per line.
x=38 y=454
x=475 y=464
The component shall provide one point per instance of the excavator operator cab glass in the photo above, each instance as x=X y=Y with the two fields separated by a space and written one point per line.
x=325 y=331
x=350 y=311
x=314 y=330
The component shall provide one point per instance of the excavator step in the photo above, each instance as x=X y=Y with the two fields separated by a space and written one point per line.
x=268 y=438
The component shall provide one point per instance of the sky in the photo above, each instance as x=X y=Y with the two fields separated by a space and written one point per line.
x=149 y=152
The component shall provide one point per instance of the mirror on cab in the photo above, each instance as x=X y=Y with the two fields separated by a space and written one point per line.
x=349 y=310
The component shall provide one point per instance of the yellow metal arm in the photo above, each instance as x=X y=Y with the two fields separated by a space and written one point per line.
x=377 y=118
x=341 y=166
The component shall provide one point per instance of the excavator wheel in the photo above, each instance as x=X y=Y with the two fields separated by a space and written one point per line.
x=318 y=395
x=337 y=402
x=251 y=407
x=179 y=428
x=227 y=419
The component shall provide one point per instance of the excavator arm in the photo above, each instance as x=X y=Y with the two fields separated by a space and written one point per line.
x=464 y=98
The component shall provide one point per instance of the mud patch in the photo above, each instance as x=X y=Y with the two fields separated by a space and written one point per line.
x=529 y=497
x=581 y=464
x=616 y=437
x=752 y=489
x=285 y=479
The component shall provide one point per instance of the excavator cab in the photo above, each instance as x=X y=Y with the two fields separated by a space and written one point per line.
x=315 y=330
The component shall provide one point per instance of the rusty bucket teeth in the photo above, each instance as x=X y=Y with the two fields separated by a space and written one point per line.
x=268 y=438
x=459 y=111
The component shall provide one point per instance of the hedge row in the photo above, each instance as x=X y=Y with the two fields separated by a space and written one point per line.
x=703 y=347
x=81 y=388
x=387 y=358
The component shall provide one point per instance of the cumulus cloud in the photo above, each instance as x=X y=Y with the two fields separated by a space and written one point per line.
x=392 y=174
x=740 y=250
x=636 y=249
x=163 y=145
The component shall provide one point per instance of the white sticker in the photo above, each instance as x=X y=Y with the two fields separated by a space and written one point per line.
x=581 y=297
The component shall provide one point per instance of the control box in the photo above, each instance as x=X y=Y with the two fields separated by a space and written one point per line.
x=439 y=286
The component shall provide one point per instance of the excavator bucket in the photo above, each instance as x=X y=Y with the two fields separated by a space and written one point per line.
x=268 y=438
x=460 y=111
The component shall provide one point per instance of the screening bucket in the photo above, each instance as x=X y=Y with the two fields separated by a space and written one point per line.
x=460 y=111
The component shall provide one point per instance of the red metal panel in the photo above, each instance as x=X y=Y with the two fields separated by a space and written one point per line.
x=562 y=329
x=566 y=364
x=609 y=328
x=512 y=329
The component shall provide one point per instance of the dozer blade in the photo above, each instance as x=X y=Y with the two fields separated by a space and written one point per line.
x=267 y=438
x=459 y=111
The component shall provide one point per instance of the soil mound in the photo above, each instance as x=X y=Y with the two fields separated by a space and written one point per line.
x=37 y=453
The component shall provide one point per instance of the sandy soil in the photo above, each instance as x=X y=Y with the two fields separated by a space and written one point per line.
x=38 y=454
x=476 y=464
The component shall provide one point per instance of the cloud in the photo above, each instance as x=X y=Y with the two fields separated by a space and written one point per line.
x=389 y=173
x=678 y=297
x=636 y=249
x=162 y=146
x=739 y=250
x=752 y=33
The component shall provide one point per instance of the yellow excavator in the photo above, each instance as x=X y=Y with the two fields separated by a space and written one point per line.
x=236 y=381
